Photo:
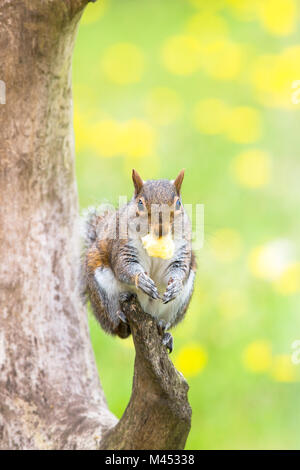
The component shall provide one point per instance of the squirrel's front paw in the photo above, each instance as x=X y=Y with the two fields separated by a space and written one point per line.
x=173 y=289
x=146 y=284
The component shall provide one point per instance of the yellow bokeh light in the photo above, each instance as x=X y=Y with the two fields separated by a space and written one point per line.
x=210 y=116
x=257 y=356
x=137 y=138
x=244 y=125
x=81 y=131
x=222 y=59
x=271 y=260
x=289 y=282
x=105 y=138
x=211 y=6
x=207 y=27
x=191 y=359
x=181 y=54
x=251 y=168
x=282 y=369
x=123 y=63
x=273 y=75
x=245 y=10
x=278 y=16
x=108 y=138
x=93 y=12
x=226 y=245
x=163 y=105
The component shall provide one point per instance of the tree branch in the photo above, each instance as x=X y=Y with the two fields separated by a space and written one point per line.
x=158 y=415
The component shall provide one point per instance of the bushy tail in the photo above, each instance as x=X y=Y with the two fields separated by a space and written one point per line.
x=90 y=228
x=91 y=219
x=89 y=222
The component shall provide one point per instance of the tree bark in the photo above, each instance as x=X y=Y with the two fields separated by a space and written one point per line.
x=158 y=415
x=50 y=394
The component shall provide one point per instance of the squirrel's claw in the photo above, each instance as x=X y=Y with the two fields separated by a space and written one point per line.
x=173 y=289
x=146 y=284
x=168 y=341
x=162 y=326
x=122 y=317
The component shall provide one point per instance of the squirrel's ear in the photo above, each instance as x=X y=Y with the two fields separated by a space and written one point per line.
x=137 y=181
x=178 y=182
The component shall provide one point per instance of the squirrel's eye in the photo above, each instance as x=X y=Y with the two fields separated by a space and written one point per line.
x=178 y=205
x=141 y=205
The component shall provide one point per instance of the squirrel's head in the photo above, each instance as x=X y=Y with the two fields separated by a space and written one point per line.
x=158 y=203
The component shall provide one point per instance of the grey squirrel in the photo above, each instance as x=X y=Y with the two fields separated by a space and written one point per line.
x=142 y=249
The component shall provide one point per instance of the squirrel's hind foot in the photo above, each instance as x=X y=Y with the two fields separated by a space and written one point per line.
x=123 y=329
x=122 y=317
x=168 y=341
x=162 y=326
x=126 y=296
x=167 y=338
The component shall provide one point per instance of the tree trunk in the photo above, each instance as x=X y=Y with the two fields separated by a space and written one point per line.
x=50 y=395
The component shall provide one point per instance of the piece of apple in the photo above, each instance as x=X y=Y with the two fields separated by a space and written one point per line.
x=162 y=247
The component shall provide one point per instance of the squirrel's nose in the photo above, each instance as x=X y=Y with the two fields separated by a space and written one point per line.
x=160 y=230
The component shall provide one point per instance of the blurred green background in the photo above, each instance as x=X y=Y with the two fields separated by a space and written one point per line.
x=161 y=85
